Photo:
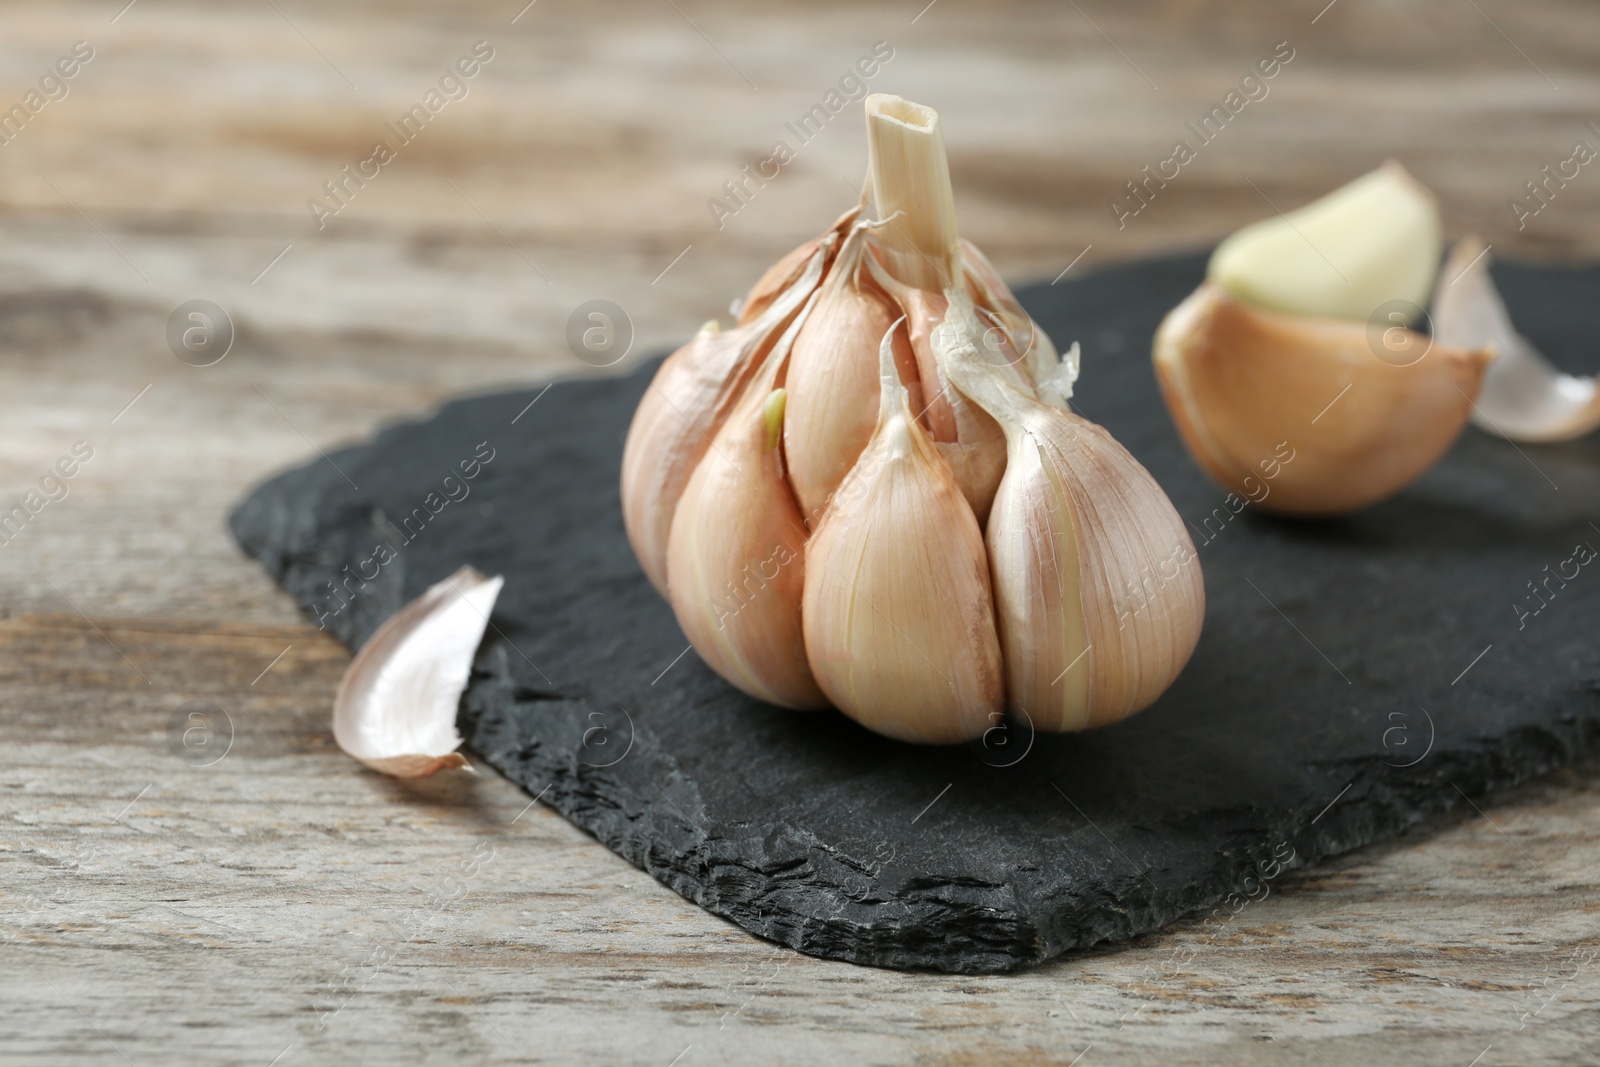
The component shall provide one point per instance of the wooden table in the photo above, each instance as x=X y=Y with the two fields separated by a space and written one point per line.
x=282 y=905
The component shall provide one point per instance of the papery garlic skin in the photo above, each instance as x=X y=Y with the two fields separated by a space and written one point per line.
x=1372 y=241
x=1247 y=387
x=1524 y=396
x=396 y=706
x=737 y=553
x=898 y=610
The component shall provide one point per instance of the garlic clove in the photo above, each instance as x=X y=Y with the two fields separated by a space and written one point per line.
x=898 y=612
x=1098 y=592
x=736 y=554
x=1298 y=414
x=1524 y=397
x=1370 y=242
x=687 y=402
x=396 y=706
x=832 y=380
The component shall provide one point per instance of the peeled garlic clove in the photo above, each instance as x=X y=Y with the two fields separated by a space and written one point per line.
x=832 y=380
x=690 y=396
x=1524 y=397
x=898 y=611
x=736 y=556
x=1298 y=414
x=1370 y=242
x=396 y=706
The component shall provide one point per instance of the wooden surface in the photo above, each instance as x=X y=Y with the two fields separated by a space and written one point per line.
x=282 y=902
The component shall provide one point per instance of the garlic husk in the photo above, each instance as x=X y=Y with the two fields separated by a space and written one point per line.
x=1524 y=397
x=396 y=706
x=898 y=611
x=736 y=555
x=832 y=379
x=687 y=402
x=1370 y=242
x=1098 y=592
x=969 y=440
x=1249 y=387
x=1052 y=375
x=787 y=271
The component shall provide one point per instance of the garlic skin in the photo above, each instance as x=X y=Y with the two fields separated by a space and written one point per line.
x=1098 y=591
x=396 y=706
x=737 y=552
x=1368 y=242
x=1243 y=383
x=1524 y=397
x=898 y=610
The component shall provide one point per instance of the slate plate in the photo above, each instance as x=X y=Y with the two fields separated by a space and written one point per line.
x=1355 y=676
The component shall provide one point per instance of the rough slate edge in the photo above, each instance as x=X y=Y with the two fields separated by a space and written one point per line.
x=278 y=527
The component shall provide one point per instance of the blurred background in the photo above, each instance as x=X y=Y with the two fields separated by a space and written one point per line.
x=580 y=164
x=582 y=161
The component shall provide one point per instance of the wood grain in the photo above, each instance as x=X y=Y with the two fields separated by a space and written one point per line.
x=283 y=902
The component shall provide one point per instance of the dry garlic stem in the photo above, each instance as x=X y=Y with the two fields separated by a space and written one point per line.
x=1524 y=398
x=1333 y=377
x=1098 y=591
x=396 y=706
x=899 y=616
x=737 y=550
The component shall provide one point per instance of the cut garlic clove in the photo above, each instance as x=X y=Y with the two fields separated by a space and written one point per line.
x=690 y=396
x=832 y=380
x=898 y=610
x=1248 y=388
x=1524 y=397
x=1373 y=241
x=736 y=555
x=396 y=706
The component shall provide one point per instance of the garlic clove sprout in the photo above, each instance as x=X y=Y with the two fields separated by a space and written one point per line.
x=737 y=551
x=396 y=706
x=1299 y=414
x=832 y=381
x=1372 y=241
x=1098 y=592
x=898 y=611
x=1524 y=397
x=684 y=407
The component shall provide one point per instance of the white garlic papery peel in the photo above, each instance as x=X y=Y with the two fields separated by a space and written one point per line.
x=1098 y=592
x=690 y=396
x=737 y=549
x=1524 y=397
x=1368 y=243
x=396 y=706
x=1053 y=374
x=898 y=610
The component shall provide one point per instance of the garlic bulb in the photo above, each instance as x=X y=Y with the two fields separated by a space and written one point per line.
x=1298 y=343
x=396 y=706
x=873 y=496
x=1524 y=398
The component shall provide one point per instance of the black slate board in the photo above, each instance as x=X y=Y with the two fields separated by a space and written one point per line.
x=1330 y=703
